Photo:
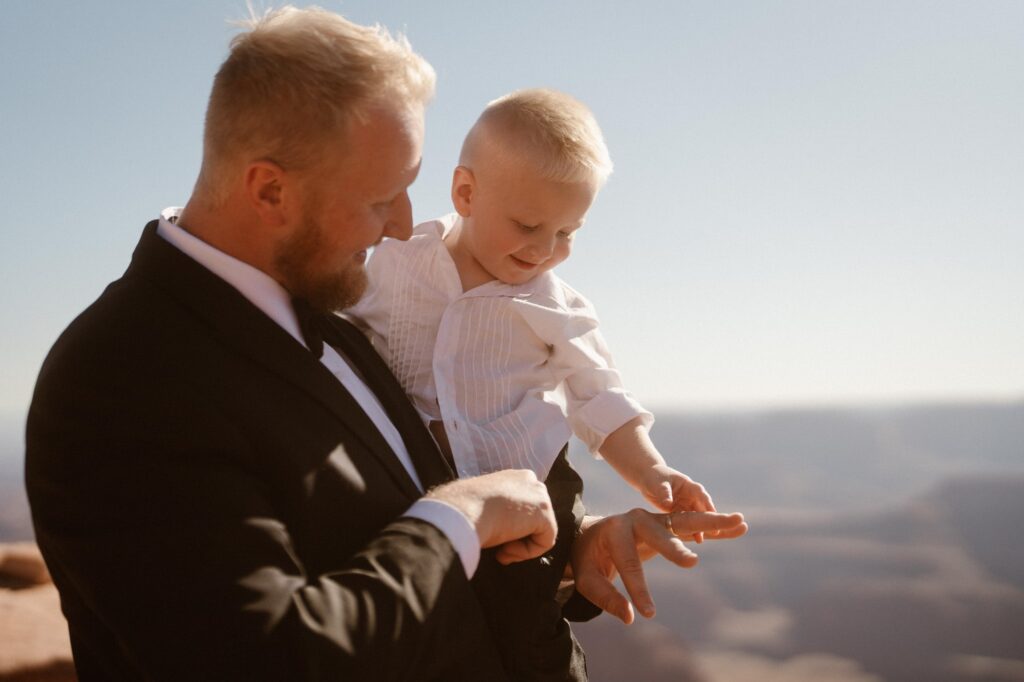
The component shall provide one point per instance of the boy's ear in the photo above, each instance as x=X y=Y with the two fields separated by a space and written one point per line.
x=269 y=190
x=463 y=186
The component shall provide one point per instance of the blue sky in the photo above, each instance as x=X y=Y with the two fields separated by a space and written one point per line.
x=814 y=202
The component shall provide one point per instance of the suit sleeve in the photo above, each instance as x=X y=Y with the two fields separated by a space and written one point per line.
x=162 y=540
x=566 y=490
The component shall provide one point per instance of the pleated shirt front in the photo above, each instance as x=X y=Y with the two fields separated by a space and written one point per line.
x=510 y=370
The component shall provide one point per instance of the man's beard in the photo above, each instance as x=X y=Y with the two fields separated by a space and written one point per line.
x=325 y=292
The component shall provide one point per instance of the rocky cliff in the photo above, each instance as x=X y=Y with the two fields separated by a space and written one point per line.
x=34 y=645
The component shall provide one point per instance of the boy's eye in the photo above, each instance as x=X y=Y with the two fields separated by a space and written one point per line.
x=526 y=228
x=562 y=234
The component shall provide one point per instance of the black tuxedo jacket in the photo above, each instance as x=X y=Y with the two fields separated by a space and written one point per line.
x=212 y=504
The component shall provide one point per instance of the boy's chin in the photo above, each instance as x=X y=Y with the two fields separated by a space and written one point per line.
x=519 y=277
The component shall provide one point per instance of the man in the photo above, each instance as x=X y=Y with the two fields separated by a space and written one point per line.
x=226 y=484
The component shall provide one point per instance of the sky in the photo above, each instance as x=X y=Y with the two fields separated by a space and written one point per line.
x=814 y=202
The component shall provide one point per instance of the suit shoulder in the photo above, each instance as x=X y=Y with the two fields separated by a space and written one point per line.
x=117 y=327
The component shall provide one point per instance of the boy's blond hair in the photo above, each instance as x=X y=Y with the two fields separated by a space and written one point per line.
x=293 y=82
x=548 y=130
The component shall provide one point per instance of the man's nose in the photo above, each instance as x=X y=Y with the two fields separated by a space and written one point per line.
x=399 y=220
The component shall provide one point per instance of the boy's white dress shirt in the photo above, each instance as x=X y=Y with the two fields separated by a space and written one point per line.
x=511 y=370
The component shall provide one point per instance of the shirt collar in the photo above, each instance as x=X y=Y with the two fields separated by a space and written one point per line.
x=262 y=290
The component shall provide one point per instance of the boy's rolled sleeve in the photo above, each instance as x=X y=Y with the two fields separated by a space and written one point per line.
x=597 y=418
x=597 y=403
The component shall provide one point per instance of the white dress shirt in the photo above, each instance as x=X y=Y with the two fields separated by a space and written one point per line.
x=511 y=370
x=266 y=294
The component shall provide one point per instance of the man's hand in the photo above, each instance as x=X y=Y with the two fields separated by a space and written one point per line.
x=620 y=544
x=509 y=508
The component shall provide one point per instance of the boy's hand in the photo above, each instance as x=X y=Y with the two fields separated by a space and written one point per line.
x=671 y=490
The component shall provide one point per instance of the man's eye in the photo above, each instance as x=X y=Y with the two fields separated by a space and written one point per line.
x=526 y=228
x=562 y=234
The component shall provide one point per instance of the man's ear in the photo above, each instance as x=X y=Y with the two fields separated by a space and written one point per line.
x=463 y=187
x=269 y=191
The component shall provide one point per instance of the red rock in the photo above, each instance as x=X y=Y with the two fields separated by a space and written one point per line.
x=34 y=635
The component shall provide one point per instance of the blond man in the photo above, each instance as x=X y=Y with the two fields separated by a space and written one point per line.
x=227 y=484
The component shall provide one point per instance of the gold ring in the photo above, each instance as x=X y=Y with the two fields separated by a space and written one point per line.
x=668 y=524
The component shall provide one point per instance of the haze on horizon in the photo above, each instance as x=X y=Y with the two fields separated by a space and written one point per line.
x=813 y=202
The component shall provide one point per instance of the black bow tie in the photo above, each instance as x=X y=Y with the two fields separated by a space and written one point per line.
x=311 y=324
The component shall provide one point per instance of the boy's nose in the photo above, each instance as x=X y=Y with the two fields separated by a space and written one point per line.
x=540 y=250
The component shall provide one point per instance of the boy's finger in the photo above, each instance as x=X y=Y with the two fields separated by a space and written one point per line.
x=664 y=495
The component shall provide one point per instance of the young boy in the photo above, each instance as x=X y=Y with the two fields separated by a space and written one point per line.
x=502 y=358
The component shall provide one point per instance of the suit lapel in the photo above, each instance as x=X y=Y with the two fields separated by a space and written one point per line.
x=430 y=464
x=243 y=327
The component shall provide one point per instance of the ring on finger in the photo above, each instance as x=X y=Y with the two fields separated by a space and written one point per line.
x=668 y=524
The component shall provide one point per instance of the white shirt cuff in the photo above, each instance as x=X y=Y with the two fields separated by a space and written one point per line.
x=603 y=414
x=454 y=524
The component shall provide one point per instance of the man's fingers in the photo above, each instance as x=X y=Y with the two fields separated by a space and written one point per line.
x=713 y=524
x=731 y=533
x=620 y=543
x=508 y=506
x=512 y=552
x=658 y=532
x=623 y=550
x=542 y=539
x=521 y=550
x=545 y=535
x=602 y=594
x=593 y=568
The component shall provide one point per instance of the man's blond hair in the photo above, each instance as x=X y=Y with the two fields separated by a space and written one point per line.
x=293 y=82
x=551 y=132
